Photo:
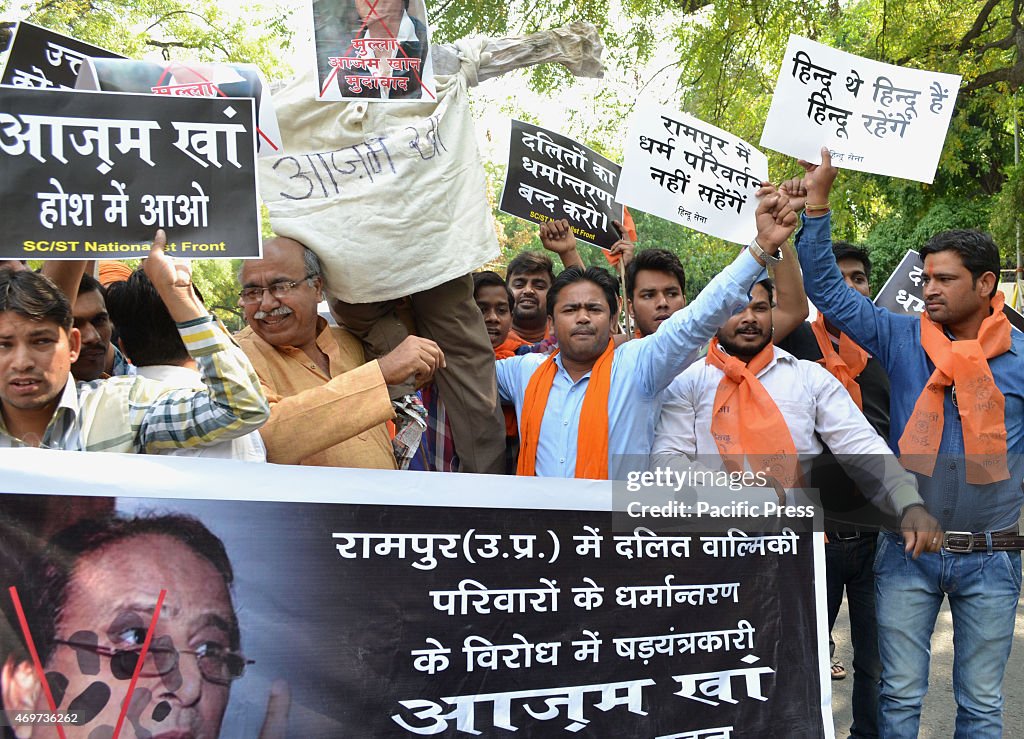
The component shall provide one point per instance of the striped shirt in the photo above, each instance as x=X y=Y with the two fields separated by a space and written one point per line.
x=134 y=414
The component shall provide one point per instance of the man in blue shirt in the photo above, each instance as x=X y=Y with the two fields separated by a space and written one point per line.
x=580 y=309
x=975 y=494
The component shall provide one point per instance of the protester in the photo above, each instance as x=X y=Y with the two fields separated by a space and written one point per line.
x=529 y=276
x=41 y=407
x=957 y=418
x=14 y=265
x=851 y=536
x=148 y=335
x=750 y=404
x=570 y=426
x=558 y=238
x=495 y=301
x=88 y=601
x=328 y=405
x=99 y=358
x=655 y=289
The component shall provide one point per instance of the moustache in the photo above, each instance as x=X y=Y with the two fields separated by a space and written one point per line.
x=283 y=310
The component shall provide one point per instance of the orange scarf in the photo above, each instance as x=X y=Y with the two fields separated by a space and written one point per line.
x=592 y=441
x=508 y=347
x=846 y=364
x=745 y=420
x=964 y=365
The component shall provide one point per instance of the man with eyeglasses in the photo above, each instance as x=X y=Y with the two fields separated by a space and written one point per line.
x=328 y=406
x=89 y=600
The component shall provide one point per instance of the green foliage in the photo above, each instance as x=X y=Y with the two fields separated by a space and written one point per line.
x=1007 y=208
x=726 y=62
x=201 y=30
x=217 y=281
x=895 y=235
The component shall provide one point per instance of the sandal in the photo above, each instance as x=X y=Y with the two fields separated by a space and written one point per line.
x=838 y=671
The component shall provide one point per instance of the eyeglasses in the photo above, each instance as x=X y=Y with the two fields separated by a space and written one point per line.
x=216 y=664
x=253 y=295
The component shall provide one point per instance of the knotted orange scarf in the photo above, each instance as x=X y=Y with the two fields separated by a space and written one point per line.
x=982 y=407
x=846 y=364
x=745 y=420
x=592 y=441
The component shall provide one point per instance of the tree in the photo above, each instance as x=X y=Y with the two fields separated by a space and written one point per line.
x=202 y=30
x=726 y=59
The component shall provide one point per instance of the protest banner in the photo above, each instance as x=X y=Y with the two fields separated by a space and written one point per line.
x=42 y=58
x=374 y=51
x=79 y=183
x=413 y=604
x=550 y=177
x=189 y=79
x=690 y=172
x=873 y=117
x=903 y=292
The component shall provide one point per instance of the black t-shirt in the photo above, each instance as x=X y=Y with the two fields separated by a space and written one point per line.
x=842 y=502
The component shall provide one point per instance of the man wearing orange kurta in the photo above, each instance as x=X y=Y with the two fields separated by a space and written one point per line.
x=328 y=405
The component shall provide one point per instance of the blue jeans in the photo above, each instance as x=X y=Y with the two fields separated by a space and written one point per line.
x=983 y=589
x=849 y=564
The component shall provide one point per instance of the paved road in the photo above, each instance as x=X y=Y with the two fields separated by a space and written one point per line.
x=939 y=715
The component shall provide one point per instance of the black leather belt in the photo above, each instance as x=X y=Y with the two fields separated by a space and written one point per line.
x=964 y=542
x=844 y=535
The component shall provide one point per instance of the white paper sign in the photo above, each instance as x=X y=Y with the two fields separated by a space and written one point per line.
x=873 y=117
x=687 y=171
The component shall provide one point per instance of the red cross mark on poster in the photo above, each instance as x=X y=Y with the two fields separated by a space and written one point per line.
x=41 y=674
x=201 y=86
x=370 y=68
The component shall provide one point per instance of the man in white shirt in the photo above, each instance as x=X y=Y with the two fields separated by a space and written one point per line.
x=751 y=403
x=148 y=335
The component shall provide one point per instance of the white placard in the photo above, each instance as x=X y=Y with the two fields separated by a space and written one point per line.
x=687 y=171
x=873 y=117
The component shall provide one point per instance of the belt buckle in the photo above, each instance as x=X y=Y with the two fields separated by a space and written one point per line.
x=847 y=537
x=949 y=546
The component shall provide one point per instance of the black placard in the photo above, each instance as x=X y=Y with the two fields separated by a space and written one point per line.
x=93 y=175
x=551 y=177
x=41 y=58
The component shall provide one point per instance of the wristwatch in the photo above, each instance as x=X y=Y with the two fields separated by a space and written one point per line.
x=757 y=251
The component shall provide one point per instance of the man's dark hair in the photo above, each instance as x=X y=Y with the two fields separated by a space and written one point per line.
x=90 y=284
x=34 y=296
x=143 y=324
x=656 y=260
x=528 y=262
x=768 y=284
x=492 y=279
x=600 y=277
x=976 y=248
x=44 y=591
x=844 y=250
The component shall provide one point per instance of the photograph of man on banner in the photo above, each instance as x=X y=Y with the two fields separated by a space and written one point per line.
x=373 y=50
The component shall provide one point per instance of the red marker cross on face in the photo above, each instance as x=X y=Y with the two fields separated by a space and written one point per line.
x=372 y=13
x=41 y=675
